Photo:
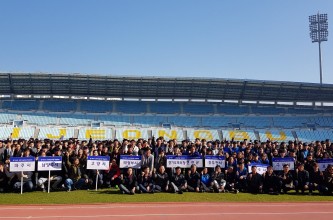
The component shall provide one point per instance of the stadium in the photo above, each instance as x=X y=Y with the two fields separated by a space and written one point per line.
x=54 y=106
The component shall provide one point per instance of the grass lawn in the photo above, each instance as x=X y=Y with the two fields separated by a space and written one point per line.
x=113 y=196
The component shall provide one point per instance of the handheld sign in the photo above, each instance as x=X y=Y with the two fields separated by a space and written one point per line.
x=213 y=161
x=184 y=161
x=279 y=162
x=261 y=168
x=130 y=161
x=49 y=163
x=323 y=163
x=20 y=164
x=98 y=162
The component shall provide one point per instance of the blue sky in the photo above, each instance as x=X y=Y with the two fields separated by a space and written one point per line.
x=242 y=39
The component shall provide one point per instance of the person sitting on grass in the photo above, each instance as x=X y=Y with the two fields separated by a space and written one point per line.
x=193 y=179
x=241 y=175
x=128 y=183
x=328 y=181
x=218 y=183
x=146 y=182
x=111 y=175
x=286 y=179
x=77 y=179
x=302 y=179
x=205 y=180
x=178 y=182
x=231 y=178
x=255 y=181
x=271 y=182
x=161 y=179
x=316 y=179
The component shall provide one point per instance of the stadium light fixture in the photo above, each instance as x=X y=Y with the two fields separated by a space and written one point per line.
x=319 y=33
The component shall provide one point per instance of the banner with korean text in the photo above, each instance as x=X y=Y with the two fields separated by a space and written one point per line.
x=49 y=163
x=18 y=164
x=183 y=161
x=98 y=162
x=127 y=161
x=261 y=168
x=323 y=164
x=213 y=161
x=279 y=162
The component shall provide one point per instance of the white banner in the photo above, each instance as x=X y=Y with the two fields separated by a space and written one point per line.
x=209 y=135
x=18 y=164
x=131 y=133
x=56 y=133
x=168 y=134
x=98 y=162
x=324 y=163
x=130 y=161
x=183 y=161
x=261 y=168
x=279 y=162
x=213 y=161
x=95 y=134
x=49 y=163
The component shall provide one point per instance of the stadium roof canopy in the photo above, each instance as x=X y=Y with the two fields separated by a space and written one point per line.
x=162 y=87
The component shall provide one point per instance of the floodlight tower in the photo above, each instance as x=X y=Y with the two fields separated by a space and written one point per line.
x=318 y=34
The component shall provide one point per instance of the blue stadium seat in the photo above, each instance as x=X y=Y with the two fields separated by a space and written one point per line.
x=96 y=106
x=216 y=122
x=317 y=135
x=164 y=108
x=21 y=105
x=115 y=120
x=255 y=122
x=40 y=118
x=290 y=122
x=149 y=120
x=131 y=107
x=185 y=121
x=232 y=109
x=59 y=106
x=267 y=110
x=198 y=109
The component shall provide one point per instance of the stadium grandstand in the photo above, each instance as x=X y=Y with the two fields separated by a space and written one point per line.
x=54 y=106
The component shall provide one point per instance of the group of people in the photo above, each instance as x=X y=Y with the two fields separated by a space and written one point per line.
x=154 y=175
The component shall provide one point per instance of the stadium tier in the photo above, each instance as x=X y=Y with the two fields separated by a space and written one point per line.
x=59 y=101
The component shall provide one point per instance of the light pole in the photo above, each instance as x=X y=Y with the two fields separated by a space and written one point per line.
x=319 y=33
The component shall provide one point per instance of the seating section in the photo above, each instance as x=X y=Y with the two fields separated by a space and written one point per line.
x=96 y=106
x=255 y=122
x=131 y=107
x=198 y=109
x=216 y=122
x=20 y=105
x=59 y=106
x=276 y=135
x=40 y=119
x=184 y=121
x=115 y=120
x=289 y=122
x=232 y=109
x=149 y=120
x=164 y=108
x=267 y=110
x=317 y=135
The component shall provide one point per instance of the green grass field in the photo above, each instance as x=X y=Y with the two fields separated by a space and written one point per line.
x=113 y=196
